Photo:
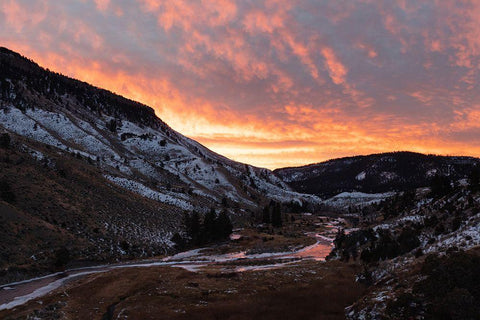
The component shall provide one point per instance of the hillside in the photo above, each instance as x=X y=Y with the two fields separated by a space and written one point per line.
x=420 y=252
x=376 y=173
x=103 y=175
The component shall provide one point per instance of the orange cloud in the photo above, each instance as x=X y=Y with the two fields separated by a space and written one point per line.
x=369 y=49
x=336 y=69
x=20 y=17
x=102 y=5
x=248 y=79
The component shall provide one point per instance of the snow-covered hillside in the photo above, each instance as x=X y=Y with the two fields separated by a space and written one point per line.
x=397 y=242
x=145 y=154
x=346 y=200
x=136 y=150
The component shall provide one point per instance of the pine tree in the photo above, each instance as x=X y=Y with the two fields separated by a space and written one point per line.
x=192 y=226
x=6 y=192
x=440 y=185
x=224 y=225
x=474 y=180
x=180 y=243
x=5 y=140
x=210 y=226
x=266 y=214
x=277 y=216
x=112 y=125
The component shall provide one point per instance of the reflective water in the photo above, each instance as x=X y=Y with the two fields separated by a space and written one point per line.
x=15 y=294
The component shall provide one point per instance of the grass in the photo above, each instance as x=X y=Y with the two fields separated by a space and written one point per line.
x=300 y=290
x=309 y=290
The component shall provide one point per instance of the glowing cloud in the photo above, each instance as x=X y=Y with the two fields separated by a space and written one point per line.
x=274 y=82
x=336 y=69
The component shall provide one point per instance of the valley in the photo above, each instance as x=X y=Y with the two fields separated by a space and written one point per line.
x=251 y=265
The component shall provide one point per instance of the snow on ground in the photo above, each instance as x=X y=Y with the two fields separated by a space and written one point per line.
x=18 y=301
x=16 y=121
x=204 y=173
x=85 y=126
x=148 y=146
x=205 y=194
x=468 y=236
x=192 y=163
x=346 y=199
x=388 y=176
x=61 y=125
x=361 y=176
x=397 y=222
x=144 y=168
x=149 y=193
x=37 y=155
x=412 y=218
x=33 y=124
x=283 y=193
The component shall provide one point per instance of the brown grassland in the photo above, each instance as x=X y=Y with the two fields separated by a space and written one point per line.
x=308 y=290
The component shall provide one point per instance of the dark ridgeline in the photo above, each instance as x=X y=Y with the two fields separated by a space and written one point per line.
x=376 y=173
x=15 y=69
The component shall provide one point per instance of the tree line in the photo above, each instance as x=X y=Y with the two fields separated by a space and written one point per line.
x=214 y=227
x=272 y=214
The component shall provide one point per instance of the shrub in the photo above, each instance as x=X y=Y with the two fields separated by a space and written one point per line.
x=179 y=241
x=456 y=304
x=406 y=306
x=5 y=141
x=408 y=240
x=112 y=126
x=62 y=257
x=6 y=193
x=451 y=286
x=440 y=186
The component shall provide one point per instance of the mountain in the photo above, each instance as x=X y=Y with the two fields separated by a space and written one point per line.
x=376 y=173
x=87 y=169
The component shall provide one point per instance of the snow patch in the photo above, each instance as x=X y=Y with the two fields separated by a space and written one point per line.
x=149 y=193
x=361 y=176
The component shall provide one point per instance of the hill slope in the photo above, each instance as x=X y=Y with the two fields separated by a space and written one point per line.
x=103 y=174
x=376 y=173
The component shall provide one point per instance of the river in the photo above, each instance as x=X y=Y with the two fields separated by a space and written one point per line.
x=18 y=293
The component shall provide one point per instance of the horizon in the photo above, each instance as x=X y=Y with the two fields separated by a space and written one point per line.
x=274 y=84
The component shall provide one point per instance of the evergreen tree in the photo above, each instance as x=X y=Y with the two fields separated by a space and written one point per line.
x=210 y=226
x=440 y=186
x=474 y=179
x=112 y=126
x=6 y=192
x=266 y=214
x=277 y=215
x=192 y=226
x=179 y=241
x=224 y=225
x=62 y=257
x=5 y=140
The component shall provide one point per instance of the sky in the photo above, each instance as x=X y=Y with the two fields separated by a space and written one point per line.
x=274 y=83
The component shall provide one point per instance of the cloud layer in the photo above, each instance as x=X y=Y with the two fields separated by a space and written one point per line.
x=274 y=82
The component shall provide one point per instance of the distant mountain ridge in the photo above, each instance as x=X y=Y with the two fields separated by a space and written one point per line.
x=376 y=173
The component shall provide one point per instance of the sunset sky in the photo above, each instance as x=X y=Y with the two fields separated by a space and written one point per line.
x=277 y=82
